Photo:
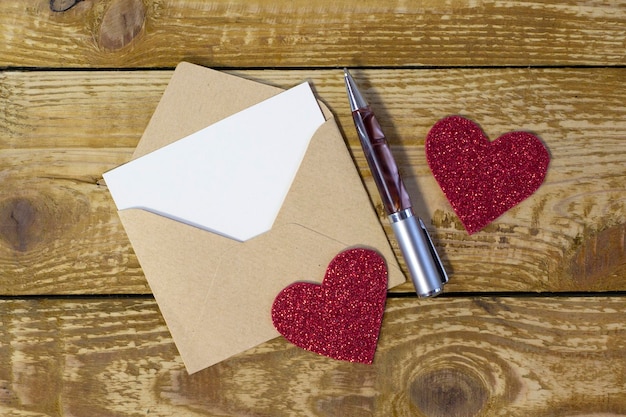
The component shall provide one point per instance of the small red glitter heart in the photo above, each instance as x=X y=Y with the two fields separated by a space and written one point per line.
x=340 y=318
x=483 y=179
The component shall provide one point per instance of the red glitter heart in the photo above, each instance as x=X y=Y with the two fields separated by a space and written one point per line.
x=483 y=179
x=340 y=318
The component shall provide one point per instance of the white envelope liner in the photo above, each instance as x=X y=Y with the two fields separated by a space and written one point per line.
x=230 y=178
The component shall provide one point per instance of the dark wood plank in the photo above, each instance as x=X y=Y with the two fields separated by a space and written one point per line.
x=443 y=357
x=297 y=33
x=62 y=130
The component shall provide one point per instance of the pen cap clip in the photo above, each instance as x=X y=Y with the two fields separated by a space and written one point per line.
x=421 y=258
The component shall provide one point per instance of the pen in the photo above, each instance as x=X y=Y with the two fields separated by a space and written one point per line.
x=421 y=258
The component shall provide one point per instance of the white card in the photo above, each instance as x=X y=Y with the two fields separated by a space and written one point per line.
x=230 y=178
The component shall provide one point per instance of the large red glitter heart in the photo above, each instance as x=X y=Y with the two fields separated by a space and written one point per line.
x=340 y=318
x=483 y=179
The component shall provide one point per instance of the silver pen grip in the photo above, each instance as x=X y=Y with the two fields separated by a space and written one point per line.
x=422 y=261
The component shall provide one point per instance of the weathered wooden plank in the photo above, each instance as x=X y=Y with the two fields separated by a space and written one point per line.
x=297 y=33
x=443 y=357
x=60 y=131
x=59 y=232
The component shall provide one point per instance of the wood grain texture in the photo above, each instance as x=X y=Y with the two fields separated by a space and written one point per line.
x=556 y=69
x=445 y=357
x=59 y=231
x=297 y=33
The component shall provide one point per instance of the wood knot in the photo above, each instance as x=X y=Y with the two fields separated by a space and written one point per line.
x=31 y=219
x=63 y=5
x=123 y=21
x=449 y=392
x=19 y=224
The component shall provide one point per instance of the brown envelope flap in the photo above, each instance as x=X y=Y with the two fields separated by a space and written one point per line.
x=195 y=98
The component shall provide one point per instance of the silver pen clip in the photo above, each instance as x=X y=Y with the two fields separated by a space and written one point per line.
x=435 y=255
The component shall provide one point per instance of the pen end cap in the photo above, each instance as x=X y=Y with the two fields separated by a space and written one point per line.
x=431 y=294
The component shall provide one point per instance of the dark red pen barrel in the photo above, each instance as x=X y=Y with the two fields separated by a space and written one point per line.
x=381 y=162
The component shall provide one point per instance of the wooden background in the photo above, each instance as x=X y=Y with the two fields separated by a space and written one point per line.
x=533 y=322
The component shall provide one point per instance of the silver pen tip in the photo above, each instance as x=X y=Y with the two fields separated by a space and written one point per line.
x=354 y=95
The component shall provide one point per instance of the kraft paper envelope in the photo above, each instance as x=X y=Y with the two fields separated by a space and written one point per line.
x=215 y=292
